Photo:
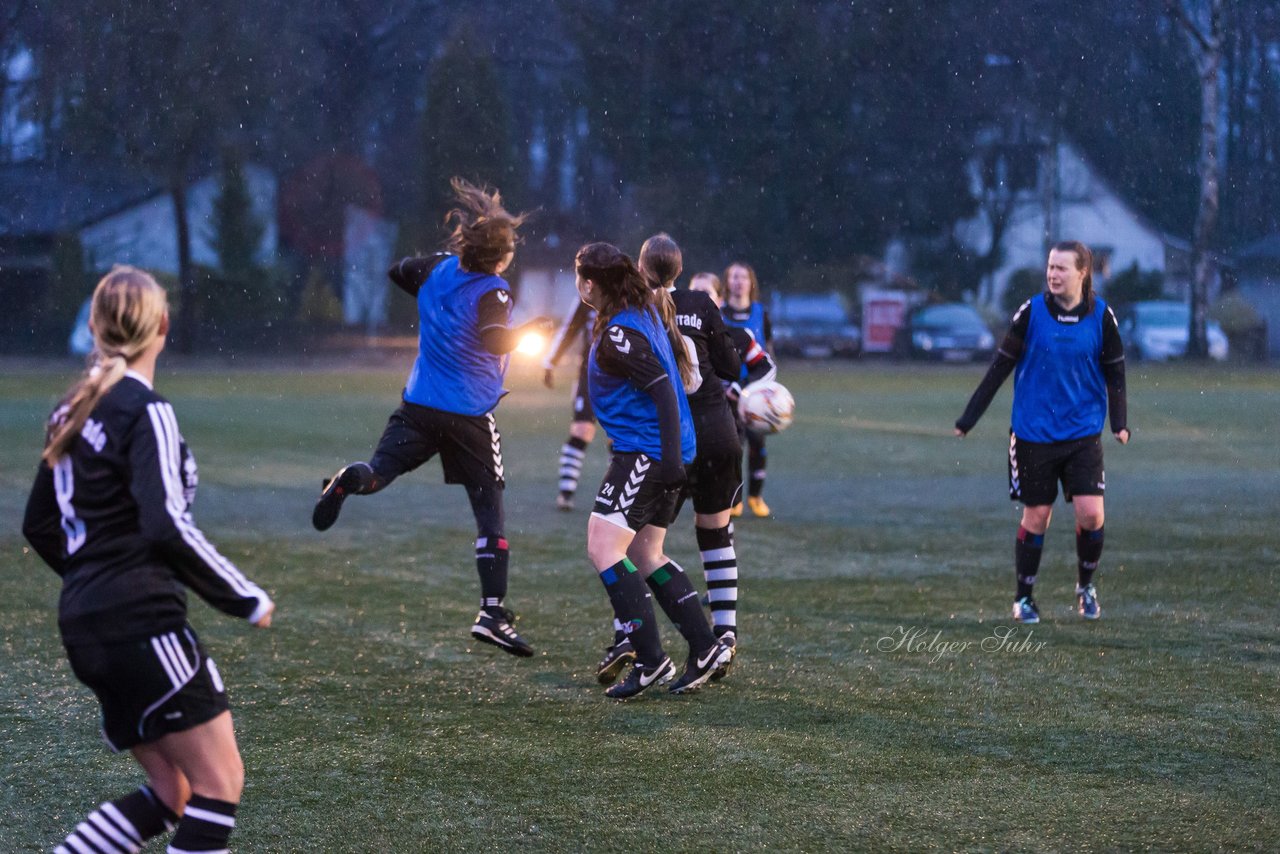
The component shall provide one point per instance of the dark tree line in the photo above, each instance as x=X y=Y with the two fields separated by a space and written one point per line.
x=799 y=136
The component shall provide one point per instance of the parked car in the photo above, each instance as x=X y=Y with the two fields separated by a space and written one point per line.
x=813 y=338
x=1159 y=329
x=952 y=332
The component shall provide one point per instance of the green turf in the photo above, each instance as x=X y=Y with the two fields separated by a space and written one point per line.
x=370 y=722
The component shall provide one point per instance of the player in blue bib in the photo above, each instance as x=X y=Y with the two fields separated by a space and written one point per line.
x=1064 y=350
x=636 y=372
x=464 y=338
x=743 y=310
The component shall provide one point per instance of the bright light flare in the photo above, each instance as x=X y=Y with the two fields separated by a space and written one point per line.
x=532 y=344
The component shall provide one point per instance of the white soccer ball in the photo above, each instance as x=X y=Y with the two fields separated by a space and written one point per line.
x=766 y=407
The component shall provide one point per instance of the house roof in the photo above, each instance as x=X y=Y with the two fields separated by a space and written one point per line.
x=41 y=199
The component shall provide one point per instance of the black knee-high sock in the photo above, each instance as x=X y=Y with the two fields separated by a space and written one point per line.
x=679 y=601
x=720 y=565
x=633 y=607
x=206 y=826
x=370 y=480
x=122 y=825
x=1026 y=559
x=757 y=459
x=1089 y=552
x=492 y=560
x=572 y=455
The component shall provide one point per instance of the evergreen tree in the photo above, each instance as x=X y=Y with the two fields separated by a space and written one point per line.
x=237 y=232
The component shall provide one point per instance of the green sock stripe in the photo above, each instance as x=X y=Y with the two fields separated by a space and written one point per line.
x=628 y=565
x=660 y=576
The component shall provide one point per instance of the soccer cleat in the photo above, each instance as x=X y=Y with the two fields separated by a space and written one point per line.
x=702 y=667
x=642 y=676
x=757 y=505
x=615 y=659
x=493 y=625
x=730 y=640
x=564 y=501
x=736 y=510
x=346 y=482
x=1025 y=611
x=1087 y=602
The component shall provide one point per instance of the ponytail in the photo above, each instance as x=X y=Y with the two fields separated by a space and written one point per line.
x=661 y=263
x=127 y=312
x=83 y=397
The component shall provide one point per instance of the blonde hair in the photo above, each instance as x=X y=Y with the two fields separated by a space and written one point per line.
x=126 y=315
x=661 y=262
x=716 y=285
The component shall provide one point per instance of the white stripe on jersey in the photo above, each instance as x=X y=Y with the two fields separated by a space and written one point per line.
x=165 y=425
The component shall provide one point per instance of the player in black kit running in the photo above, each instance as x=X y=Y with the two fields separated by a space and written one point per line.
x=110 y=512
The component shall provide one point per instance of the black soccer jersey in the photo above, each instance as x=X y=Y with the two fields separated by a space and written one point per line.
x=701 y=322
x=113 y=518
x=577 y=328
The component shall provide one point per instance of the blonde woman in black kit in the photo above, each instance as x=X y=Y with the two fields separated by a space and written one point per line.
x=110 y=512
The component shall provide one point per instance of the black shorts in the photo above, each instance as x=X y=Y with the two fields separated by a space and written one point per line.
x=1036 y=468
x=631 y=496
x=150 y=688
x=715 y=476
x=469 y=446
x=582 y=410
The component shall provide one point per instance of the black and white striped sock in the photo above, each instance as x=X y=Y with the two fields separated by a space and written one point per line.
x=122 y=826
x=572 y=455
x=720 y=563
x=205 y=827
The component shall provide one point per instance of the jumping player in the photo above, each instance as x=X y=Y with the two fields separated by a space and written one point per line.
x=1064 y=350
x=464 y=336
x=744 y=310
x=110 y=512
x=582 y=429
x=637 y=369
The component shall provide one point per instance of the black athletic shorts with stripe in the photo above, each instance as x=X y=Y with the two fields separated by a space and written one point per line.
x=631 y=496
x=152 y=687
x=715 y=475
x=469 y=446
x=1036 y=469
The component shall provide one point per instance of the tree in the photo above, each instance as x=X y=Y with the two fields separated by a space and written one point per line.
x=237 y=233
x=466 y=124
x=1204 y=35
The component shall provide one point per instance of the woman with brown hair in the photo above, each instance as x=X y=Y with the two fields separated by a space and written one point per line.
x=742 y=308
x=110 y=512
x=464 y=338
x=637 y=370
x=1064 y=350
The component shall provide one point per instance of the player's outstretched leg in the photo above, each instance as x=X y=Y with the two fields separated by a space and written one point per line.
x=494 y=623
x=678 y=599
x=354 y=479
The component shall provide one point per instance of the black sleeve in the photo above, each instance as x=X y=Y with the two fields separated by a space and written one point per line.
x=663 y=394
x=493 y=320
x=1006 y=359
x=42 y=522
x=768 y=330
x=155 y=462
x=725 y=360
x=1113 y=371
x=408 y=274
x=626 y=353
x=565 y=336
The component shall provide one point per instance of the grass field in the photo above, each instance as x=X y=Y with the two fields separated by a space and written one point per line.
x=370 y=722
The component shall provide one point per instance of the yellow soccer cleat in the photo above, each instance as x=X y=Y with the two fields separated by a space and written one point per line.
x=736 y=510
x=757 y=505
